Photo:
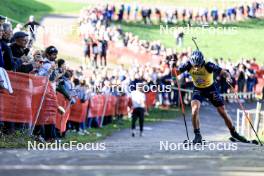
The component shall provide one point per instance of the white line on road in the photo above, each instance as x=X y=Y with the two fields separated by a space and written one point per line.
x=123 y=167
x=92 y=167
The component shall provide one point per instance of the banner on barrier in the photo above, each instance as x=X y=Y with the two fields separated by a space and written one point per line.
x=79 y=111
x=96 y=106
x=61 y=119
x=150 y=99
x=23 y=104
x=123 y=102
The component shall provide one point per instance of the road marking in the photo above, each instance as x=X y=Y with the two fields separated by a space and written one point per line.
x=123 y=167
x=92 y=167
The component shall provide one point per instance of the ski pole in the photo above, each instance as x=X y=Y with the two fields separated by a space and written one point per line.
x=194 y=41
x=243 y=108
x=182 y=105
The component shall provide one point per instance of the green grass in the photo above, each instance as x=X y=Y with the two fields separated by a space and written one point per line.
x=19 y=140
x=20 y=10
x=16 y=140
x=247 y=41
x=234 y=41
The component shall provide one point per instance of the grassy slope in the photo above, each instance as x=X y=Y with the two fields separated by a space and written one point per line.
x=19 y=10
x=245 y=41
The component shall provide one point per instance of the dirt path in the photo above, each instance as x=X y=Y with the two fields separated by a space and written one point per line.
x=58 y=29
x=125 y=155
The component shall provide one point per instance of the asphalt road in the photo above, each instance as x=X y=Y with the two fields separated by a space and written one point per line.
x=124 y=155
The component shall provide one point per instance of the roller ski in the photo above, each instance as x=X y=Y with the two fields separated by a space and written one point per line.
x=235 y=137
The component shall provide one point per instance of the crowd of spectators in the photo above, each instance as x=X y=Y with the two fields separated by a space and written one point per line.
x=95 y=23
x=17 y=54
x=172 y=15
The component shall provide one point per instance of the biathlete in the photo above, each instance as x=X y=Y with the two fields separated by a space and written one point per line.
x=202 y=74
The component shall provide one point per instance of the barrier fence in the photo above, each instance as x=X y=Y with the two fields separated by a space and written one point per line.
x=23 y=105
x=257 y=119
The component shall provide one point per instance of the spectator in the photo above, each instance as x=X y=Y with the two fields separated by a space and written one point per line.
x=7 y=33
x=214 y=15
x=136 y=13
x=128 y=10
x=190 y=17
x=144 y=14
x=38 y=61
x=80 y=91
x=251 y=79
x=65 y=86
x=57 y=73
x=87 y=49
x=179 y=39
x=20 y=52
x=2 y=20
x=253 y=65
x=95 y=53
x=49 y=61
x=18 y=28
x=176 y=15
x=158 y=15
x=6 y=57
x=103 y=46
x=32 y=27
x=241 y=10
x=224 y=17
x=2 y=64
x=149 y=12
x=241 y=78
x=252 y=11
x=139 y=105
x=183 y=16
x=121 y=13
